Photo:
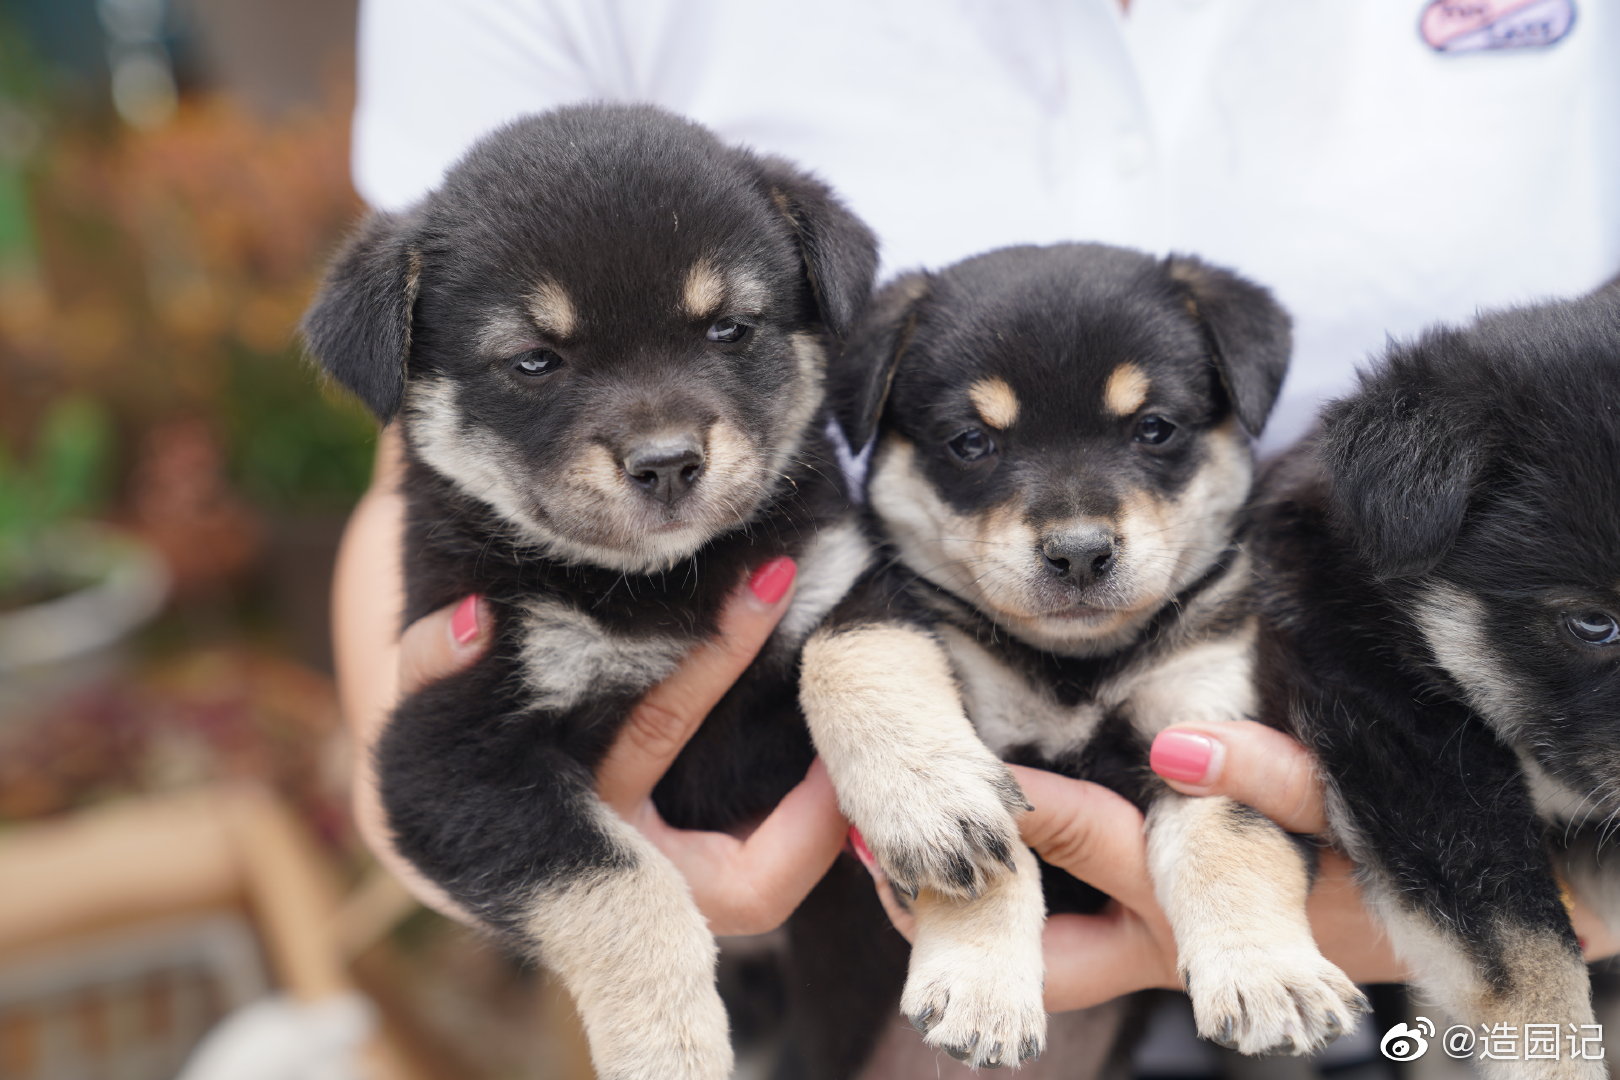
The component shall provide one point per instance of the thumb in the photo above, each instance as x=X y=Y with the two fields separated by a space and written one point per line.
x=442 y=643
x=1257 y=765
x=660 y=726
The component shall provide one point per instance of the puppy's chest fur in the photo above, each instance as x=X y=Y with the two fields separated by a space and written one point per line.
x=575 y=646
x=1094 y=717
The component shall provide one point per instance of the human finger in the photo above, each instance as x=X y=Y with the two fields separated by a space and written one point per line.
x=659 y=727
x=1257 y=765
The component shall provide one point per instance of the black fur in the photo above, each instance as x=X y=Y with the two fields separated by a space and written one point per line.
x=1423 y=558
x=568 y=240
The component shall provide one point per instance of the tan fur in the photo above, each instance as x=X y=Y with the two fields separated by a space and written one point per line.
x=976 y=968
x=567 y=656
x=1548 y=984
x=996 y=402
x=704 y=291
x=989 y=559
x=552 y=310
x=1453 y=623
x=637 y=957
x=1126 y=390
x=883 y=710
x=1233 y=887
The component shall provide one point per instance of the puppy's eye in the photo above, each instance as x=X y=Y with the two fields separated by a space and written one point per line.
x=1153 y=430
x=1593 y=627
x=536 y=362
x=727 y=331
x=972 y=445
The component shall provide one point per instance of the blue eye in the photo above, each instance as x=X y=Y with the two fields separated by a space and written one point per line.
x=727 y=331
x=1153 y=430
x=1593 y=627
x=972 y=445
x=537 y=362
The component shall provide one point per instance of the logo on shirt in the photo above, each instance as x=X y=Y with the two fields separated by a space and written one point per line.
x=1464 y=26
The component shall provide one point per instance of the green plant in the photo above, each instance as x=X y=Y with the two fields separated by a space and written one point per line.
x=65 y=477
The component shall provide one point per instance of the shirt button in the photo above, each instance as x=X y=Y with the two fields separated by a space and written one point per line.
x=1133 y=154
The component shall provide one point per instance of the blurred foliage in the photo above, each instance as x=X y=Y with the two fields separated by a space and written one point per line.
x=65 y=476
x=170 y=270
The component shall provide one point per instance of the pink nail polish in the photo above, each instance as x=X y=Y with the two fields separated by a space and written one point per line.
x=464 y=620
x=770 y=582
x=1181 y=755
x=858 y=843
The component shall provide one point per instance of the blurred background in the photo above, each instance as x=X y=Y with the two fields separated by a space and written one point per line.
x=174 y=840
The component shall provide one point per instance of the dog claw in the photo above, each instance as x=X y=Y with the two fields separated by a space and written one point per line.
x=920 y=1021
x=1029 y=1050
x=1227 y=1036
x=992 y=1058
x=962 y=1053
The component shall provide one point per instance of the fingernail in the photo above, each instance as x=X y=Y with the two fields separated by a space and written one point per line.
x=770 y=582
x=1181 y=755
x=464 y=621
x=862 y=852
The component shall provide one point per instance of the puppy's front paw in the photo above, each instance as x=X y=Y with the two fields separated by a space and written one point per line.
x=1260 y=1001
x=950 y=827
x=982 y=1008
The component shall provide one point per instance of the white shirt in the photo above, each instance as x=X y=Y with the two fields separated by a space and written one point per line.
x=1325 y=149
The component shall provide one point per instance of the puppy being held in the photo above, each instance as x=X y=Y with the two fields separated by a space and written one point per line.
x=1442 y=628
x=1061 y=475
x=604 y=340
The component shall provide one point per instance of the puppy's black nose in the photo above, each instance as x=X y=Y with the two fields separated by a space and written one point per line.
x=665 y=468
x=1079 y=558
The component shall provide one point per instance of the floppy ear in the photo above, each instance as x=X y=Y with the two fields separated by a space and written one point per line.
x=1402 y=456
x=1248 y=331
x=839 y=251
x=359 y=327
x=861 y=373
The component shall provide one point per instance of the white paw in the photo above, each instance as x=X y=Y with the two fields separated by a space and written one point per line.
x=1276 y=1001
x=979 y=1006
x=950 y=826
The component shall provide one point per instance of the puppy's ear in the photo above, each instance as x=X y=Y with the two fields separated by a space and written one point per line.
x=1402 y=457
x=839 y=251
x=1248 y=330
x=862 y=372
x=359 y=327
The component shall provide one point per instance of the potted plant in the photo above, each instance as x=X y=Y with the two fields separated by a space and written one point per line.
x=69 y=585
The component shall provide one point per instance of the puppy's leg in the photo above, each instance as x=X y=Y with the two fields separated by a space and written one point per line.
x=510 y=827
x=937 y=809
x=638 y=959
x=1234 y=885
x=977 y=976
x=1437 y=814
x=935 y=806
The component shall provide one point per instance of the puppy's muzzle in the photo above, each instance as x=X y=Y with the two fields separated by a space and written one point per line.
x=666 y=468
x=1080 y=558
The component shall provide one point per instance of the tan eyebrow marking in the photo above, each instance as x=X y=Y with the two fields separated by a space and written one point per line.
x=1126 y=390
x=708 y=293
x=996 y=402
x=552 y=310
x=704 y=292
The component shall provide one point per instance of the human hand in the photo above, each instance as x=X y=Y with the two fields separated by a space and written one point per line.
x=1097 y=836
x=742 y=885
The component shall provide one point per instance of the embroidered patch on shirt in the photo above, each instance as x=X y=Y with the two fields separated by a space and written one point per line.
x=1463 y=26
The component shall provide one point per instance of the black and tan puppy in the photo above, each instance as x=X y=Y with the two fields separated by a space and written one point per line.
x=603 y=338
x=1061 y=475
x=1443 y=629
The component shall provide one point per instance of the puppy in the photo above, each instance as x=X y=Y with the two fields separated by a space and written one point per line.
x=1443 y=583
x=604 y=341
x=1061 y=477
